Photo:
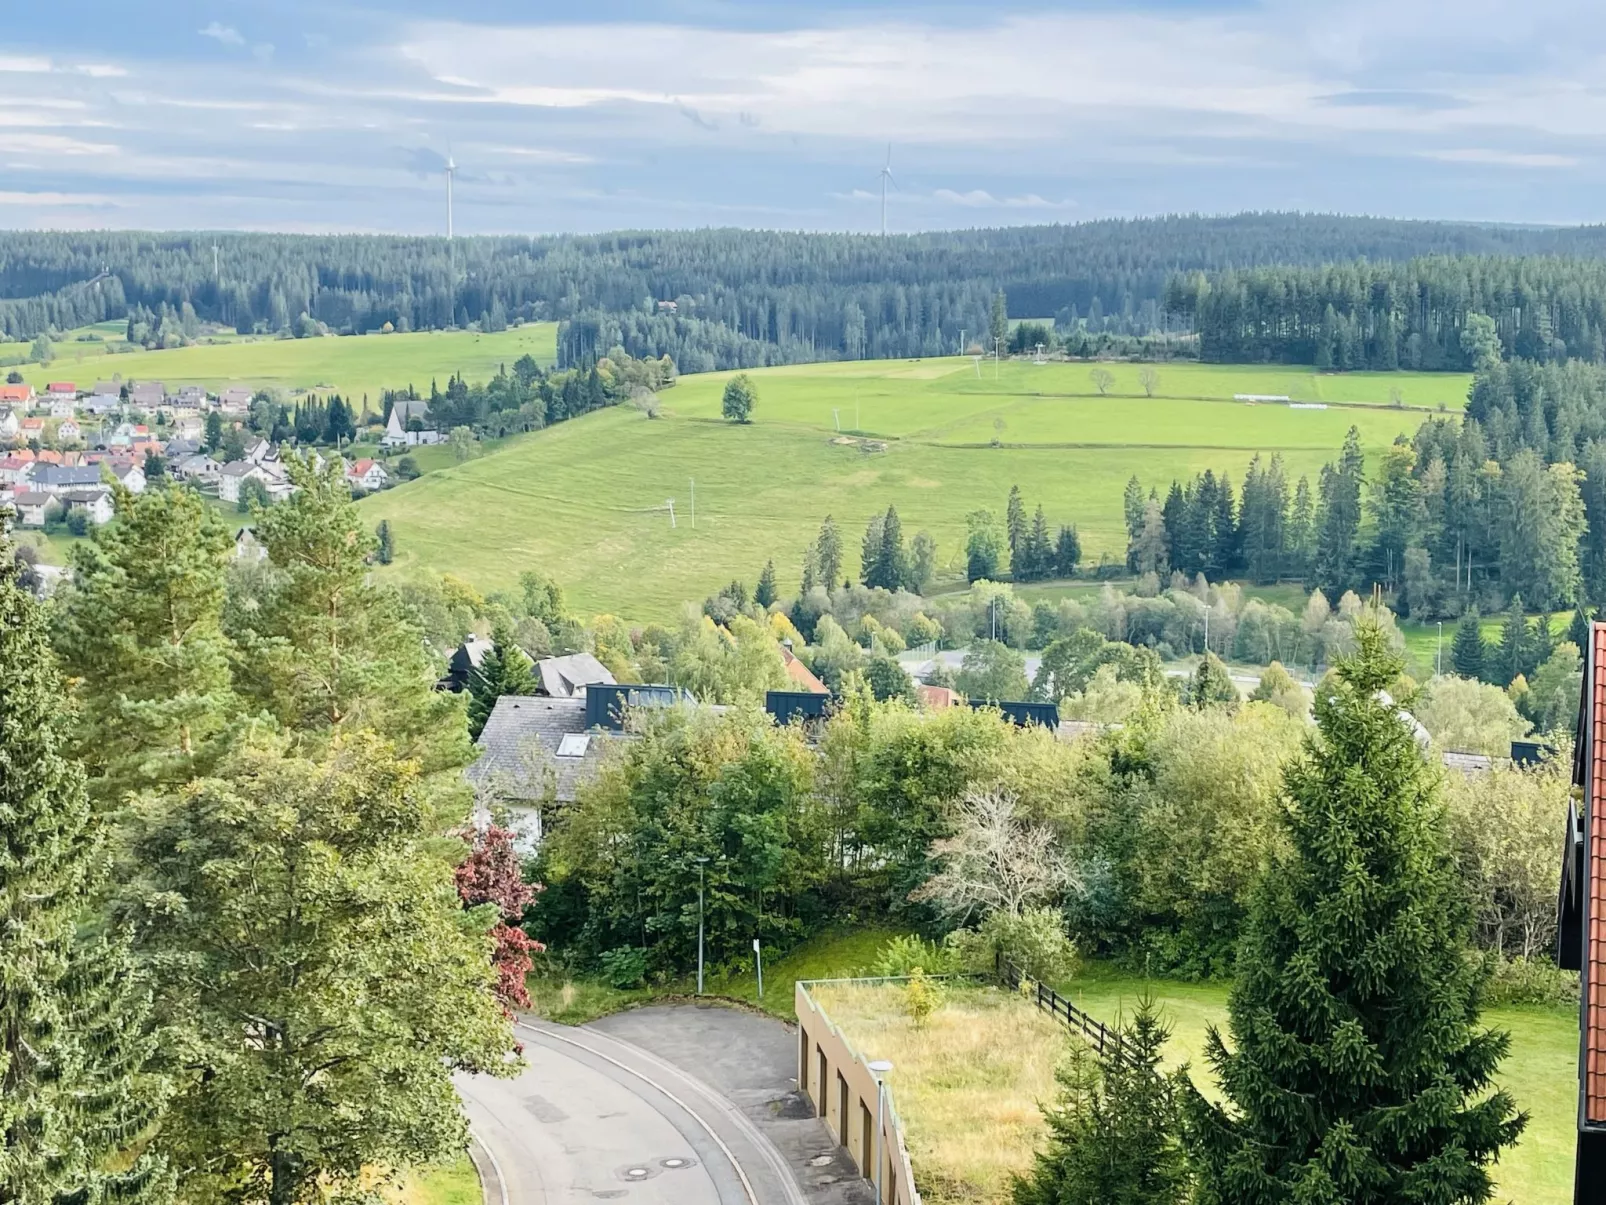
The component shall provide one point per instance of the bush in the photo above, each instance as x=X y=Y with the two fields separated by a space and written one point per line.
x=902 y=955
x=921 y=997
x=407 y=468
x=625 y=967
x=1532 y=981
x=1035 y=942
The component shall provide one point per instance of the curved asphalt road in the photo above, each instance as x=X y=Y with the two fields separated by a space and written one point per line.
x=595 y=1118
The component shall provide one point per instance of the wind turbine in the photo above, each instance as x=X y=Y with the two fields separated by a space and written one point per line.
x=886 y=178
x=451 y=170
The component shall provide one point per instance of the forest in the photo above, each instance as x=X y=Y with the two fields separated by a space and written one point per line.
x=1386 y=316
x=744 y=298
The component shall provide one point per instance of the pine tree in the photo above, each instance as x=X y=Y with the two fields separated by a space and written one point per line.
x=503 y=670
x=329 y=648
x=828 y=554
x=1467 y=653
x=214 y=431
x=1132 y=507
x=74 y=1015
x=1039 y=548
x=139 y=628
x=1114 y=1135
x=870 y=547
x=1357 y=1071
x=1339 y=524
x=1511 y=654
x=1541 y=643
x=1015 y=526
x=1067 y=552
x=764 y=595
x=890 y=566
x=384 y=543
x=1578 y=629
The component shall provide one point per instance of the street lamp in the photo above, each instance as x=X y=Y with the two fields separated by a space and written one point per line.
x=879 y=1069
x=701 y=862
x=1438 y=656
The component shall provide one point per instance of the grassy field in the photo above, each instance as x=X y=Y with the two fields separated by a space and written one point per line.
x=352 y=365
x=967 y=1083
x=587 y=500
x=454 y=1184
x=1541 y=1071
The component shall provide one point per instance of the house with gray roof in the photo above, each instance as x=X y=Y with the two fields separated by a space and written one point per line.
x=536 y=751
x=60 y=479
x=567 y=677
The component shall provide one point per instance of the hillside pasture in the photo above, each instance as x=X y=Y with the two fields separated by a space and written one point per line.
x=351 y=365
x=587 y=500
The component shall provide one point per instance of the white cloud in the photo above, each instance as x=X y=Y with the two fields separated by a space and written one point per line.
x=101 y=70
x=52 y=144
x=980 y=198
x=1494 y=158
x=23 y=64
x=226 y=34
x=61 y=199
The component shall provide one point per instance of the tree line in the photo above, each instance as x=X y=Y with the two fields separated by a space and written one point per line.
x=1415 y=314
x=740 y=296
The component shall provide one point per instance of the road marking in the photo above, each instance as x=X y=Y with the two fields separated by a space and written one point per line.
x=747 y=1185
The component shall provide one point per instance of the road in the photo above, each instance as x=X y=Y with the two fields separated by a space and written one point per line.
x=596 y=1118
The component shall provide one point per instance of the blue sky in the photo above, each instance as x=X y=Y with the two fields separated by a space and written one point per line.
x=613 y=113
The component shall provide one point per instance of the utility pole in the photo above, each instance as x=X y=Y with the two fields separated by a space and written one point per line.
x=961 y=340
x=996 y=342
x=694 y=504
x=701 y=862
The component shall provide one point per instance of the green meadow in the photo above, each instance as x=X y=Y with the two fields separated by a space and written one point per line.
x=351 y=365
x=588 y=500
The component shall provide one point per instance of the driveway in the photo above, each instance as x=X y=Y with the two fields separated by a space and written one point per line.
x=676 y=1104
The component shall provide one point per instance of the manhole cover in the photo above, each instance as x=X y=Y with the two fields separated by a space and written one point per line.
x=676 y=1163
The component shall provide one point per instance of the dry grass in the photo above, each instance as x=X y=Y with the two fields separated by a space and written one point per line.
x=967 y=1083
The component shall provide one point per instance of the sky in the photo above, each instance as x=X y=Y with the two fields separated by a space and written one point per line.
x=610 y=114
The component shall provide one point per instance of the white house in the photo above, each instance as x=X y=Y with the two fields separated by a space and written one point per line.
x=404 y=417
x=10 y=428
x=234 y=400
x=61 y=391
x=14 y=470
x=102 y=404
x=30 y=506
x=63 y=407
x=198 y=467
x=367 y=475
x=131 y=477
x=68 y=430
x=247 y=547
x=260 y=451
x=96 y=503
x=234 y=475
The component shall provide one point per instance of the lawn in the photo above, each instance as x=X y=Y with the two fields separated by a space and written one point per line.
x=588 y=500
x=1541 y=1070
x=352 y=365
x=967 y=1083
x=456 y=1183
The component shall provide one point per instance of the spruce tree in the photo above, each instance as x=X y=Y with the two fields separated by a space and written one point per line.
x=764 y=595
x=1541 y=643
x=1467 y=654
x=75 y=1036
x=1039 y=547
x=1357 y=1070
x=1512 y=652
x=139 y=629
x=1015 y=528
x=504 y=670
x=1578 y=629
x=384 y=543
x=891 y=562
x=828 y=554
x=1114 y=1134
x=1067 y=552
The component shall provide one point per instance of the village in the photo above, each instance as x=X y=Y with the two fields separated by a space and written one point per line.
x=64 y=450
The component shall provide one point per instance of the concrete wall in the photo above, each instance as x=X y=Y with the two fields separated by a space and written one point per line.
x=844 y=1091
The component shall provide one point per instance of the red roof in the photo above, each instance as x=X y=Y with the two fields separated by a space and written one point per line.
x=33 y=424
x=360 y=468
x=15 y=393
x=935 y=698
x=61 y=387
x=800 y=674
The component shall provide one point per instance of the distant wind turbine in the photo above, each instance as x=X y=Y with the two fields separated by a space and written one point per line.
x=886 y=178
x=451 y=170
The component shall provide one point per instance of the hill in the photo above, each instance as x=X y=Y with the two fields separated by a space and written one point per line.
x=587 y=500
x=352 y=365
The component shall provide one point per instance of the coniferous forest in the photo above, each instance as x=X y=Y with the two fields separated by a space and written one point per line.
x=1256 y=286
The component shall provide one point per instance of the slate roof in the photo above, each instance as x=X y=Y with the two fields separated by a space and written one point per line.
x=519 y=748
x=63 y=475
x=567 y=677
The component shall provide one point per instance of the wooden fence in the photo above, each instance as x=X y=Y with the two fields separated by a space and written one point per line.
x=1099 y=1035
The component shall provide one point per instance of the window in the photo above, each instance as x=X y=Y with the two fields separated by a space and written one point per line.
x=574 y=745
